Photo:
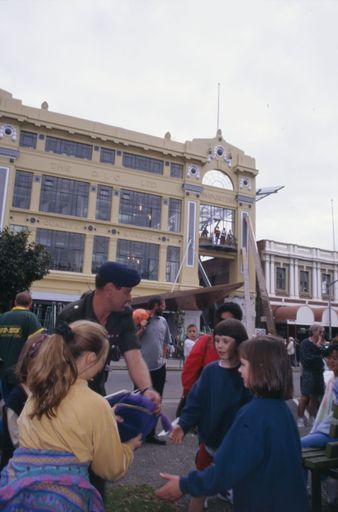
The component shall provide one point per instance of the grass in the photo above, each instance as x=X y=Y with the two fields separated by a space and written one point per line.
x=136 y=498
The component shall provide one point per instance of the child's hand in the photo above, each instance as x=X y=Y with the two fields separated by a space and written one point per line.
x=135 y=442
x=176 y=435
x=171 y=490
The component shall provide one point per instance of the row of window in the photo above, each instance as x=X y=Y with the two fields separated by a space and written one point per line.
x=70 y=197
x=67 y=252
x=107 y=155
x=282 y=285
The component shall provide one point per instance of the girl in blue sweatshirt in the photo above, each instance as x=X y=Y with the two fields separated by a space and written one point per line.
x=260 y=456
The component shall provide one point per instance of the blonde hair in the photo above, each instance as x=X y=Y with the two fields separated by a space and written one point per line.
x=54 y=370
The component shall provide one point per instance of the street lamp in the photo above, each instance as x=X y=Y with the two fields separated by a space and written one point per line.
x=328 y=288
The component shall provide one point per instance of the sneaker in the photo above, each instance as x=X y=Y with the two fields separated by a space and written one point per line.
x=331 y=486
x=311 y=421
x=226 y=496
x=205 y=504
x=301 y=422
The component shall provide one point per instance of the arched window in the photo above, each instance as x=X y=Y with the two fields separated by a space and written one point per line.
x=217 y=179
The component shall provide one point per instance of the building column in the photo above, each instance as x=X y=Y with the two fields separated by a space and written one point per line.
x=296 y=275
x=162 y=263
x=88 y=254
x=314 y=281
x=267 y=272
x=272 y=275
x=319 y=282
x=292 y=277
x=335 y=286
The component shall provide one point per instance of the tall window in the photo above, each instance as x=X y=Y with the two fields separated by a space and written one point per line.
x=107 y=156
x=66 y=249
x=281 y=279
x=142 y=163
x=140 y=209
x=214 y=218
x=69 y=148
x=326 y=280
x=28 y=139
x=304 y=281
x=100 y=252
x=141 y=256
x=103 y=202
x=174 y=214
x=61 y=195
x=22 y=189
x=173 y=263
x=16 y=228
x=176 y=170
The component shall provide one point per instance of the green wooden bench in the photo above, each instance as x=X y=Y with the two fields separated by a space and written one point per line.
x=320 y=461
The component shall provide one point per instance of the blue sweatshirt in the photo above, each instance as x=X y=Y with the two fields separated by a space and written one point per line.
x=213 y=402
x=260 y=459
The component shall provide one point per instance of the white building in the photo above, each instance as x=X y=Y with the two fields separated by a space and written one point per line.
x=302 y=284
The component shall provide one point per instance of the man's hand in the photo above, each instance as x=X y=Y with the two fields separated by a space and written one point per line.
x=171 y=490
x=135 y=442
x=176 y=435
x=154 y=397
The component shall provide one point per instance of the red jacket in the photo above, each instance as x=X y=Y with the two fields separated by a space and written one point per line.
x=202 y=353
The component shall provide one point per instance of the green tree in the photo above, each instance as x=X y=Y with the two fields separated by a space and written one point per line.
x=21 y=263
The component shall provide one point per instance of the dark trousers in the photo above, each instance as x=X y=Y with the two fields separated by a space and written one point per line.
x=158 y=381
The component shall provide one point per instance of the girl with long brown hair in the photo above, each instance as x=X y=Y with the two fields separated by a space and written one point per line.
x=65 y=427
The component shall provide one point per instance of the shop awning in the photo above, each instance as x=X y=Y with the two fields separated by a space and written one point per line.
x=297 y=315
x=304 y=315
x=194 y=299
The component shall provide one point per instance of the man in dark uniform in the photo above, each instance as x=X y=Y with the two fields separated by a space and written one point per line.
x=109 y=306
x=15 y=327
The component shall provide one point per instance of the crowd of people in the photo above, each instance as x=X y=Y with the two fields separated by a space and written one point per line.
x=61 y=439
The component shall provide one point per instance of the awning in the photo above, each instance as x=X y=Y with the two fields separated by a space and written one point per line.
x=194 y=299
x=304 y=315
x=296 y=315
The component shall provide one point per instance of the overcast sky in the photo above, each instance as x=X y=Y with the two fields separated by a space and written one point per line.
x=153 y=66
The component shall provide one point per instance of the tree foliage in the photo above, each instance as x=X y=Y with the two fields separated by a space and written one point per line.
x=21 y=263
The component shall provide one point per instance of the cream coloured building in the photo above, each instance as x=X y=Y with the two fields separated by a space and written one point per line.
x=90 y=192
x=302 y=284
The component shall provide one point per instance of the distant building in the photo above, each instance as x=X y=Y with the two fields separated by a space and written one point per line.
x=299 y=280
x=90 y=192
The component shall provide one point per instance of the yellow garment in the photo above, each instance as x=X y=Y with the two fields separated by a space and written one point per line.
x=84 y=425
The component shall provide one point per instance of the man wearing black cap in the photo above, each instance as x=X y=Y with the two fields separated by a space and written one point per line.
x=108 y=306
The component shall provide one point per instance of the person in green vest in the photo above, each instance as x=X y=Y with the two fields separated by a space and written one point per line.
x=16 y=326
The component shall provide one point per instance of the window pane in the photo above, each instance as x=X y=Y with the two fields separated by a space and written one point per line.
x=281 y=278
x=61 y=195
x=217 y=223
x=141 y=256
x=28 y=139
x=22 y=189
x=304 y=281
x=174 y=215
x=107 y=156
x=103 y=202
x=142 y=163
x=66 y=249
x=69 y=148
x=100 y=252
x=16 y=228
x=176 y=170
x=173 y=263
x=140 y=209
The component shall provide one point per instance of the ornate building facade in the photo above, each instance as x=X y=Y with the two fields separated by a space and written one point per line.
x=90 y=192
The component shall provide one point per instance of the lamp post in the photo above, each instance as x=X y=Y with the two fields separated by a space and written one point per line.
x=328 y=286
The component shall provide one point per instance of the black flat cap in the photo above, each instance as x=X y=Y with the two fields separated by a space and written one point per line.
x=118 y=274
